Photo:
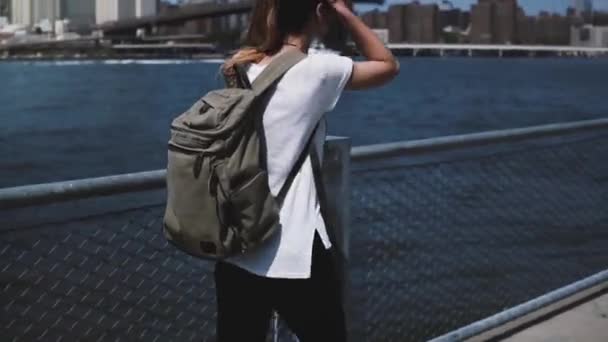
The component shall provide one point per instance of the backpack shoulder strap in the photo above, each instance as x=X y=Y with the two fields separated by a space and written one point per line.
x=297 y=166
x=276 y=69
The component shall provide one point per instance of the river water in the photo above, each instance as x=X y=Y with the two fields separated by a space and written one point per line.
x=66 y=120
x=433 y=247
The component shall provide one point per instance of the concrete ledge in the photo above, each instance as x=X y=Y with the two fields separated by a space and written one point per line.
x=587 y=322
x=505 y=323
x=538 y=323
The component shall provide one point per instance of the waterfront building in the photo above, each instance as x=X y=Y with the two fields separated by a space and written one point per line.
x=453 y=22
x=21 y=12
x=552 y=29
x=455 y=18
x=396 y=23
x=482 y=17
x=427 y=20
x=589 y=36
x=45 y=10
x=526 y=28
x=600 y=18
x=375 y=19
x=79 y=13
x=494 y=21
x=145 y=8
x=5 y=8
x=505 y=22
x=413 y=23
x=113 y=10
x=382 y=34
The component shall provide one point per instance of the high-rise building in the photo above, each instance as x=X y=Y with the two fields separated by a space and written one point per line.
x=21 y=12
x=600 y=19
x=494 y=21
x=505 y=22
x=451 y=17
x=80 y=13
x=552 y=29
x=582 y=8
x=590 y=36
x=414 y=23
x=482 y=17
x=526 y=28
x=396 y=19
x=427 y=19
x=46 y=10
x=144 y=8
x=5 y=8
x=452 y=22
x=375 y=19
x=113 y=10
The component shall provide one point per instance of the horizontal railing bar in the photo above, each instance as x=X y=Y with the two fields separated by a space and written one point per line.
x=524 y=309
x=363 y=153
x=39 y=194
x=497 y=47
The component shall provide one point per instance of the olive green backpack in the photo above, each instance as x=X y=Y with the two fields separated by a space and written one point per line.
x=219 y=202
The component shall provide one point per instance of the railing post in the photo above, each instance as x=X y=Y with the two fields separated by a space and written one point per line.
x=336 y=176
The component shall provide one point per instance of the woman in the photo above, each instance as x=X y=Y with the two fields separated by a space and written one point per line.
x=293 y=273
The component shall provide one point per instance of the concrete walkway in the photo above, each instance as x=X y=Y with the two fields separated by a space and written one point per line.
x=585 y=323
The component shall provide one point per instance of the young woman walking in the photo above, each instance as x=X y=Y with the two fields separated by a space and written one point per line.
x=293 y=273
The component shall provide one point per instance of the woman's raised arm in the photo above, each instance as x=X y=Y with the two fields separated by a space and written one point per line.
x=380 y=66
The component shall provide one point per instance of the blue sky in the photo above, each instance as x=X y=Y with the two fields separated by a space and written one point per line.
x=531 y=6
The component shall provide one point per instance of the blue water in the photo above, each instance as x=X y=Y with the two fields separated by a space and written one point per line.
x=452 y=242
x=71 y=120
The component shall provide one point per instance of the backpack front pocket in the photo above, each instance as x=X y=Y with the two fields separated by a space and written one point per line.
x=253 y=209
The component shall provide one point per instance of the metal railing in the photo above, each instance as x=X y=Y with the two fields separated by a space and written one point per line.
x=444 y=232
x=528 y=308
x=449 y=231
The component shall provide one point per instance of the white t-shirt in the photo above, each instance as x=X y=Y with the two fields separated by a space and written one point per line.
x=300 y=99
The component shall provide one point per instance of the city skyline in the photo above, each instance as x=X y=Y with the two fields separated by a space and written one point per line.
x=530 y=6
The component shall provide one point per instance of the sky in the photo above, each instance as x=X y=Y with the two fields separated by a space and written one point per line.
x=531 y=6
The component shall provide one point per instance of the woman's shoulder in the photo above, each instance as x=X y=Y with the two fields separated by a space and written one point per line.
x=326 y=63
x=324 y=57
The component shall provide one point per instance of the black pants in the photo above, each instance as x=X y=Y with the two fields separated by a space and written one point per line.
x=312 y=308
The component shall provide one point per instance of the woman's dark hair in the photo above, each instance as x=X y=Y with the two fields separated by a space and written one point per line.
x=271 y=22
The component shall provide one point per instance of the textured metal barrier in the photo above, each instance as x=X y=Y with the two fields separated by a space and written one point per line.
x=438 y=244
x=107 y=278
x=78 y=266
x=438 y=240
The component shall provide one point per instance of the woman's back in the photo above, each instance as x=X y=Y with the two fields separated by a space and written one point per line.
x=293 y=272
x=295 y=108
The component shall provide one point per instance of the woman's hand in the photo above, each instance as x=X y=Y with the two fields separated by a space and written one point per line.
x=339 y=6
x=380 y=66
